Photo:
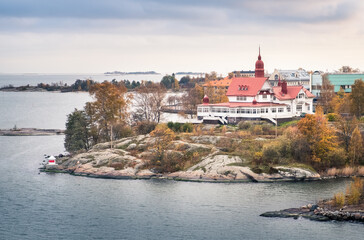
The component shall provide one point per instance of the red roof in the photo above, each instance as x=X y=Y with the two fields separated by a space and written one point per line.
x=292 y=92
x=219 y=83
x=243 y=104
x=251 y=85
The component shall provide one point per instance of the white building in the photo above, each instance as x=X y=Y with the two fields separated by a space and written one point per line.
x=256 y=99
x=292 y=77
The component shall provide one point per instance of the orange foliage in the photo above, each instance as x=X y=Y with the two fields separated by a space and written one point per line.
x=319 y=135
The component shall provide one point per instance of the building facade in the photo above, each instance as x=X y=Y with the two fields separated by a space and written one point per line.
x=292 y=77
x=344 y=80
x=316 y=83
x=255 y=99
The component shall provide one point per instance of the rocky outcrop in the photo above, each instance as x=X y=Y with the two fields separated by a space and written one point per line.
x=129 y=158
x=317 y=213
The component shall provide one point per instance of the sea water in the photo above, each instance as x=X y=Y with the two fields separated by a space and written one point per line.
x=36 y=205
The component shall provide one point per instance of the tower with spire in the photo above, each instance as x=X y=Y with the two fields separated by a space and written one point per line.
x=259 y=67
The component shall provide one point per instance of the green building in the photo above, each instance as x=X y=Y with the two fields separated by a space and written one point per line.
x=344 y=81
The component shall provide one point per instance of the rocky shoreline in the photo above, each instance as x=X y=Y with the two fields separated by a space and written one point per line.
x=30 y=132
x=319 y=212
x=128 y=159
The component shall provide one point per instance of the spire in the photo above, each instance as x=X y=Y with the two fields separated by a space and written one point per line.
x=259 y=57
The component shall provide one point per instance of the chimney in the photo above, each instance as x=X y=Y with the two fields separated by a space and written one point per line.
x=284 y=87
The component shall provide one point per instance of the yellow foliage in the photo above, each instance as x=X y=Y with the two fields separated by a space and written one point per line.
x=354 y=191
x=339 y=199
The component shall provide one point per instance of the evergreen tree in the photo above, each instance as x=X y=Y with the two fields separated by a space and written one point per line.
x=77 y=131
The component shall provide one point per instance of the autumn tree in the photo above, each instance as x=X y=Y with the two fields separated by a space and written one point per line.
x=164 y=136
x=191 y=99
x=321 y=138
x=345 y=127
x=149 y=102
x=327 y=94
x=109 y=107
x=357 y=98
x=356 y=150
x=340 y=103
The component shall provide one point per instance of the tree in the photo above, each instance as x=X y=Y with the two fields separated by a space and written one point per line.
x=77 y=131
x=319 y=135
x=327 y=93
x=168 y=81
x=356 y=150
x=176 y=85
x=191 y=99
x=345 y=127
x=149 y=102
x=357 y=98
x=164 y=136
x=109 y=107
x=340 y=103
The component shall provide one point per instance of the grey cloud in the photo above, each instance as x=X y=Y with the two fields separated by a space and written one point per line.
x=188 y=14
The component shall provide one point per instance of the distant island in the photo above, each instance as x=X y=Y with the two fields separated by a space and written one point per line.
x=132 y=73
x=190 y=73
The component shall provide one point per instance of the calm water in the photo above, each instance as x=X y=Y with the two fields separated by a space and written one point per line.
x=60 y=206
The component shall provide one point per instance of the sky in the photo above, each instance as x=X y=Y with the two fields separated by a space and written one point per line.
x=94 y=36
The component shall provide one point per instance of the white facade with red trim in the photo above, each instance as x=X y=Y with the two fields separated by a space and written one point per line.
x=256 y=99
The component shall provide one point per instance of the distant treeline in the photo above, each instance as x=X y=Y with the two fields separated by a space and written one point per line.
x=78 y=85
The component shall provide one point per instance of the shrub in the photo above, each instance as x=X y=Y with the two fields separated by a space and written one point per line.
x=187 y=127
x=337 y=157
x=361 y=171
x=223 y=129
x=339 y=199
x=331 y=117
x=170 y=125
x=122 y=131
x=270 y=153
x=177 y=127
x=257 y=130
x=258 y=158
x=332 y=172
x=145 y=127
x=347 y=171
x=243 y=125
x=354 y=191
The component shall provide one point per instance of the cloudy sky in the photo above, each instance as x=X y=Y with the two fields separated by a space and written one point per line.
x=94 y=36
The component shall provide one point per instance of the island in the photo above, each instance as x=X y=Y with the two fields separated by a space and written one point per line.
x=342 y=207
x=190 y=158
x=132 y=73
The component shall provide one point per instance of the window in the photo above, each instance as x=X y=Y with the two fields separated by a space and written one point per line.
x=308 y=107
x=242 y=110
x=274 y=110
x=258 y=111
x=264 y=96
x=299 y=108
x=232 y=110
x=301 y=95
x=205 y=110
x=214 y=110
x=274 y=98
x=254 y=111
x=280 y=109
x=199 y=109
x=276 y=77
x=241 y=98
x=225 y=110
x=248 y=111
x=218 y=110
x=288 y=108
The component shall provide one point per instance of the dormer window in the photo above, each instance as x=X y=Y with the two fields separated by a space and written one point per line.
x=243 y=87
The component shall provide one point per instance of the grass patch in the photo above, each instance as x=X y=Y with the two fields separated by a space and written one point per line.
x=287 y=124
